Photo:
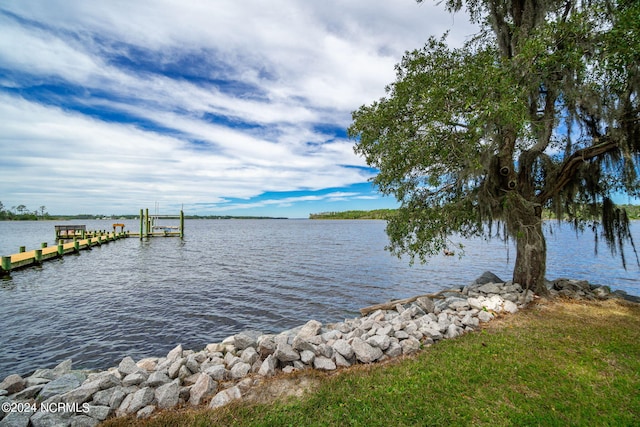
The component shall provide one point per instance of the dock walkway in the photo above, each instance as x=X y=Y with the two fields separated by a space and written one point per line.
x=37 y=256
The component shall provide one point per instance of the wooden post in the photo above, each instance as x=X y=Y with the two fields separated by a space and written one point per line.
x=181 y=224
x=148 y=224
x=76 y=245
x=22 y=249
x=6 y=264
x=141 y=223
x=60 y=248
x=44 y=245
x=38 y=255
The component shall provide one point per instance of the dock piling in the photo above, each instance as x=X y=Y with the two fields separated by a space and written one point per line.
x=6 y=264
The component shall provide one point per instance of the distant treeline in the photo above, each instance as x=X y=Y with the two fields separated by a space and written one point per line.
x=633 y=211
x=374 y=214
x=22 y=213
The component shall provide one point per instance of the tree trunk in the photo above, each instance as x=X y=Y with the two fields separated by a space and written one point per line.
x=531 y=256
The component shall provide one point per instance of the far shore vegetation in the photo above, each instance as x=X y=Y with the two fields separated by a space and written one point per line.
x=557 y=363
x=22 y=213
x=633 y=212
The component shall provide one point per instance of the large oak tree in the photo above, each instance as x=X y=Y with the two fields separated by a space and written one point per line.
x=539 y=110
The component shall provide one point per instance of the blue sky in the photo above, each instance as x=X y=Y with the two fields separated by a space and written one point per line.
x=223 y=107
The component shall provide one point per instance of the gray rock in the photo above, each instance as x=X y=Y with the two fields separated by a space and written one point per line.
x=50 y=419
x=286 y=353
x=145 y=412
x=458 y=304
x=117 y=397
x=13 y=384
x=156 y=379
x=343 y=347
x=410 y=345
x=268 y=367
x=61 y=369
x=266 y=345
x=324 y=364
x=61 y=385
x=488 y=277
x=168 y=395
x=103 y=397
x=341 y=360
x=240 y=370
x=202 y=389
x=452 y=331
x=175 y=353
x=230 y=360
x=307 y=357
x=485 y=316
x=135 y=378
x=394 y=349
x=99 y=412
x=28 y=393
x=246 y=339
x=380 y=341
x=470 y=321
x=31 y=381
x=324 y=350
x=602 y=291
x=490 y=288
x=401 y=335
x=426 y=304
x=249 y=355
x=16 y=419
x=331 y=335
x=311 y=328
x=127 y=366
x=225 y=397
x=217 y=372
x=192 y=363
x=302 y=344
x=174 y=369
x=83 y=393
x=364 y=352
x=83 y=421
x=136 y=401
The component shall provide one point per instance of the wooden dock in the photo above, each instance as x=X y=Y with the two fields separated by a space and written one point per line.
x=74 y=238
x=37 y=256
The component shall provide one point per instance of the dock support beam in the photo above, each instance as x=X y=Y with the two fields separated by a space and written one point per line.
x=181 y=224
x=141 y=223
x=6 y=264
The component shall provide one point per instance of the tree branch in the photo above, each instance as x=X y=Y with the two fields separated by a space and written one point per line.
x=570 y=167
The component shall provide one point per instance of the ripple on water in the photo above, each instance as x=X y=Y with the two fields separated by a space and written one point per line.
x=141 y=298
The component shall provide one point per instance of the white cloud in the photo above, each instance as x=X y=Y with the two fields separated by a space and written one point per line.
x=93 y=98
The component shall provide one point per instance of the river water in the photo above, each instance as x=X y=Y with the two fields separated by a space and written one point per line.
x=140 y=298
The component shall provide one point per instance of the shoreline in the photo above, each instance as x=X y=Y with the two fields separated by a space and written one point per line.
x=225 y=371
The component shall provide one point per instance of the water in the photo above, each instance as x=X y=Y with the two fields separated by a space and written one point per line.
x=141 y=298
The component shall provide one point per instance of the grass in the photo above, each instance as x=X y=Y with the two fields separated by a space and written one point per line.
x=560 y=363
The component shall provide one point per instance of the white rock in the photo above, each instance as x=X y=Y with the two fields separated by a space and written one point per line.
x=510 y=307
x=268 y=367
x=324 y=364
x=225 y=397
x=311 y=328
x=364 y=352
x=168 y=395
x=203 y=387
x=240 y=370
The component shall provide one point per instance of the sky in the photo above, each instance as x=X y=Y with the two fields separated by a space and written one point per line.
x=218 y=107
